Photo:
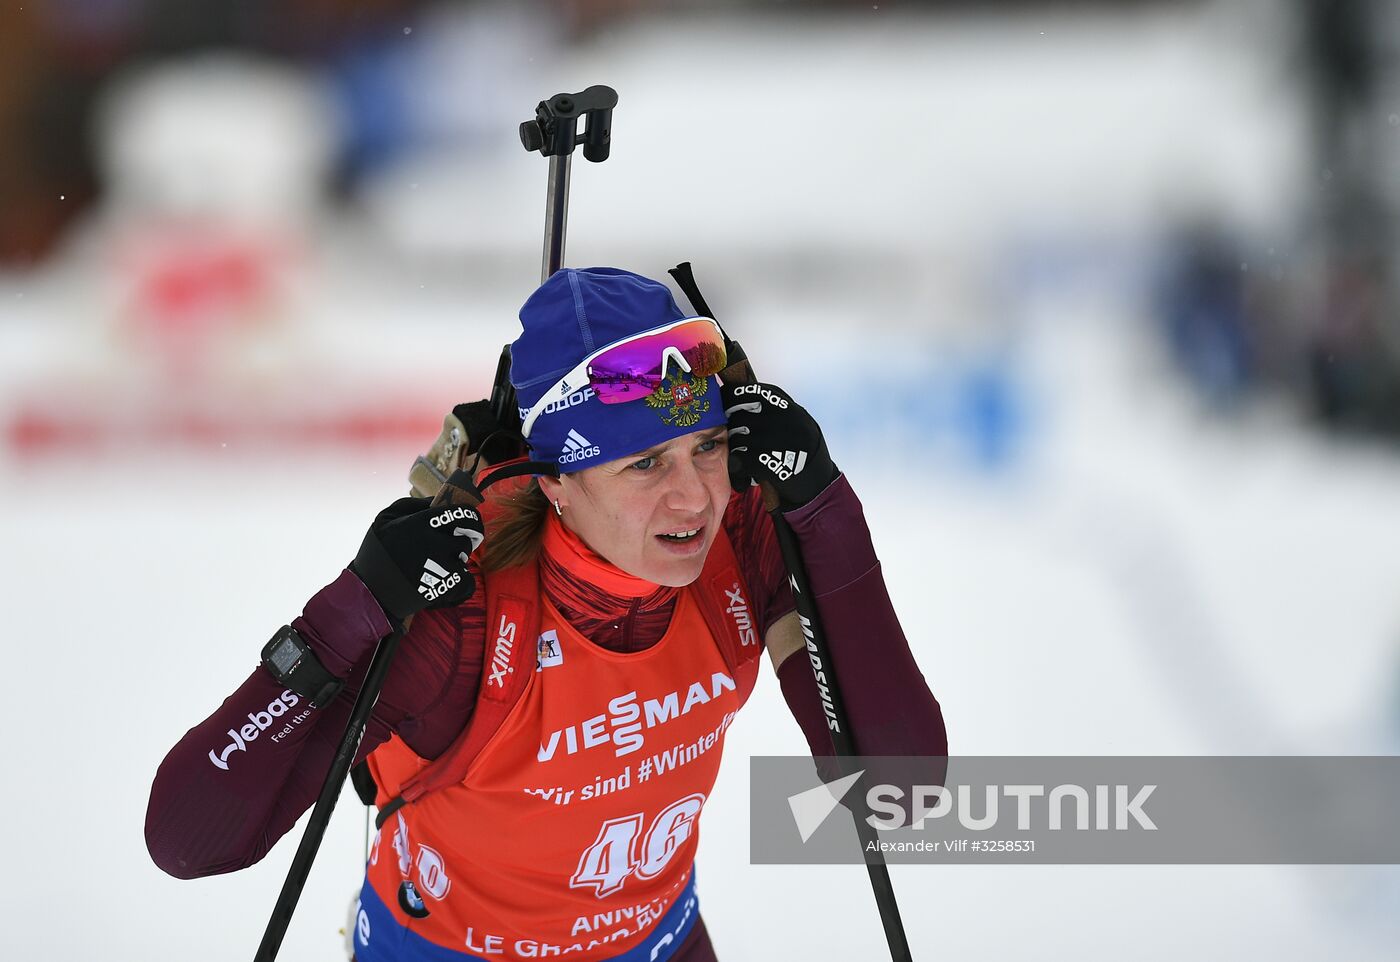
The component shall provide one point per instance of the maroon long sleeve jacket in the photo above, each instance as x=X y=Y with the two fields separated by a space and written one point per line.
x=236 y=782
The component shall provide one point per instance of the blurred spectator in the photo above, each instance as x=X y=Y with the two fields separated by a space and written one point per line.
x=1203 y=307
x=1352 y=358
x=59 y=55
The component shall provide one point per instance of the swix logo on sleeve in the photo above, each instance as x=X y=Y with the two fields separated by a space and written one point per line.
x=624 y=721
x=258 y=722
x=739 y=610
x=500 y=656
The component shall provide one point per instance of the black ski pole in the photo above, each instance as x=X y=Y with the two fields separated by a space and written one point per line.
x=554 y=133
x=373 y=684
x=818 y=652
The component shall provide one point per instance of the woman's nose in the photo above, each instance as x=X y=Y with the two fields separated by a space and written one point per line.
x=687 y=490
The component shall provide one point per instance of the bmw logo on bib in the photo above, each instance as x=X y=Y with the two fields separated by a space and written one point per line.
x=411 y=902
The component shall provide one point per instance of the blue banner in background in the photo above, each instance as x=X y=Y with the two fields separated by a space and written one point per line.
x=973 y=413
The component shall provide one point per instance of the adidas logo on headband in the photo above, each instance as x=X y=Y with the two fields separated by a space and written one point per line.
x=578 y=448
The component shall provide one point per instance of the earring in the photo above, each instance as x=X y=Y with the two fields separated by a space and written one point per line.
x=558 y=510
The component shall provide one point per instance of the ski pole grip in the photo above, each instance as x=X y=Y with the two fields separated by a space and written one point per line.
x=503 y=402
x=459 y=491
x=740 y=371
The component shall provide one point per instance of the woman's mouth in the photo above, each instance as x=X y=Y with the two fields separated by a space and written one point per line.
x=683 y=539
x=681 y=535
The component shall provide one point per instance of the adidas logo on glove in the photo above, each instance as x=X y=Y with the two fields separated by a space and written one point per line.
x=461 y=514
x=784 y=464
x=454 y=514
x=761 y=391
x=436 y=581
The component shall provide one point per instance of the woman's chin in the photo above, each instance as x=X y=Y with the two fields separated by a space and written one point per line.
x=673 y=571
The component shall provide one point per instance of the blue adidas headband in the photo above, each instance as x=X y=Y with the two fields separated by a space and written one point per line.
x=573 y=314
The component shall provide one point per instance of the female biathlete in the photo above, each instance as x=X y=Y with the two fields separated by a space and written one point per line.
x=553 y=722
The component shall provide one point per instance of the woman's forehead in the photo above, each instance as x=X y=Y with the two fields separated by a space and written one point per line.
x=677 y=443
x=684 y=441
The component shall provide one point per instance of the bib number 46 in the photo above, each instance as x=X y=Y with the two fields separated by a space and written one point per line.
x=622 y=848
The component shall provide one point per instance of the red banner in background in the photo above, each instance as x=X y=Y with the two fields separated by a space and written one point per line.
x=201 y=336
x=92 y=425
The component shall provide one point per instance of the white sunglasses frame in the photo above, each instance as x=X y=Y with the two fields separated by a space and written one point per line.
x=566 y=385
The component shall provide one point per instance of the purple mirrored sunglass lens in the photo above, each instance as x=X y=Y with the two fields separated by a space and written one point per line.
x=632 y=370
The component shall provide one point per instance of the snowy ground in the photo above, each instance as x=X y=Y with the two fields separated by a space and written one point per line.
x=1102 y=571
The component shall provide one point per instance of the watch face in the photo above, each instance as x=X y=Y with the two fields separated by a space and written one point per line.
x=284 y=656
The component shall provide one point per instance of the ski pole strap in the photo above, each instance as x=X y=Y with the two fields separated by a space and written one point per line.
x=387 y=812
x=519 y=469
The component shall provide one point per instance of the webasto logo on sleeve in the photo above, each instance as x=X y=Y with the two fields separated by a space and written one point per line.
x=258 y=722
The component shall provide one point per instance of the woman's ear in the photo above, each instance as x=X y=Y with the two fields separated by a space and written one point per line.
x=553 y=489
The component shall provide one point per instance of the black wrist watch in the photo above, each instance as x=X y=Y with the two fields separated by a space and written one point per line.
x=292 y=662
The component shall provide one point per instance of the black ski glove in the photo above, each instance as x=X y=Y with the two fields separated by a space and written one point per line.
x=415 y=556
x=772 y=438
